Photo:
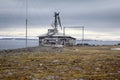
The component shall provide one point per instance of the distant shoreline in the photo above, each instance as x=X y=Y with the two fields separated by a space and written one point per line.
x=16 y=43
x=16 y=39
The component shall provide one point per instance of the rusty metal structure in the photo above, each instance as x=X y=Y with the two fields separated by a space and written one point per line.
x=54 y=38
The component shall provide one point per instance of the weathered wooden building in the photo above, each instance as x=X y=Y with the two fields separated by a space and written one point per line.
x=56 y=41
x=54 y=38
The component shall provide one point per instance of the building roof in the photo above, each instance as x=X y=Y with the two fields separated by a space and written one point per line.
x=56 y=36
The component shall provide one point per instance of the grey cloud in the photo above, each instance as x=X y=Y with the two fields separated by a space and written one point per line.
x=10 y=20
x=90 y=13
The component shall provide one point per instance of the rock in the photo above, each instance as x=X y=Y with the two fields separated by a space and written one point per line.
x=9 y=73
x=56 y=61
x=118 y=71
x=97 y=69
x=52 y=78
x=40 y=64
x=26 y=67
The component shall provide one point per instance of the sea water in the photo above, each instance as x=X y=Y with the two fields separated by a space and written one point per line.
x=98 y=42
x=14 y=44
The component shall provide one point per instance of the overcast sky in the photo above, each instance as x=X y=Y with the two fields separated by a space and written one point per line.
x=101 y=18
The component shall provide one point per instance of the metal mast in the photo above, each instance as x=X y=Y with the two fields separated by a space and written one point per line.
x=83 y=32
x=26 y=21
x=83 y=36
x=57 y=21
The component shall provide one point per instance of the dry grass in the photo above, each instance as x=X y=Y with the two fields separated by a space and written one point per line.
x=71 y=63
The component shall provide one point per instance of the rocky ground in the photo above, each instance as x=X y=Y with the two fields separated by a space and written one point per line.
x=68 y=63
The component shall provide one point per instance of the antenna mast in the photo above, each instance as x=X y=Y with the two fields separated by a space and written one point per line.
x=26 y=20
x=57 y=20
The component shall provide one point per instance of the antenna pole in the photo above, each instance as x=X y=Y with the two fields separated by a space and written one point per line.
x=83 y=36
x=26 y=21
x=55 y=23
x=64 y=35
x=82 y=33
x=63 y=31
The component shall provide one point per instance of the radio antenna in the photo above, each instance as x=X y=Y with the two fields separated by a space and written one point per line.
x=26 y=22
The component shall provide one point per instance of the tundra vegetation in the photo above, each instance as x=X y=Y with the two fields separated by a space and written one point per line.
x=68 y=63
